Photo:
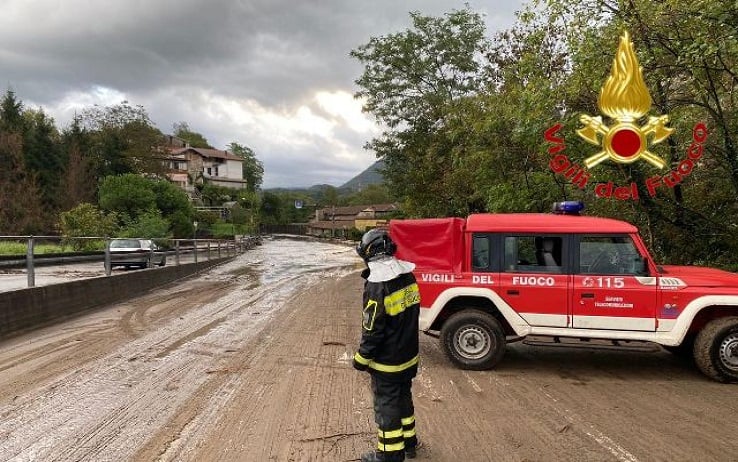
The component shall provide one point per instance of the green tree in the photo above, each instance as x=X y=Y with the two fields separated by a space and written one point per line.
x=214 y=195
x=149 y=224
x=239 y=215
x=329 y=196
x=42 y=154
x=689 y=52
x=20 y=197
x=174 y=206
x=196 y=140
x=11 y=113
x=86 y=220
x=170 y=198
x=372 y=194
x=144 y=204
x=123 y=140
x=78 y=183
x=253 y=169
x=481 y=147
x=411 y=82
x=128 y=195
x=250 y=203
x=271 y=209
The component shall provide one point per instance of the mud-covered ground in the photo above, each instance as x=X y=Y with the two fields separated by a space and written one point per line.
x=250 y=362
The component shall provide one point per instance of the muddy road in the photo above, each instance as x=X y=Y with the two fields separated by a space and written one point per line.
x=250 y=362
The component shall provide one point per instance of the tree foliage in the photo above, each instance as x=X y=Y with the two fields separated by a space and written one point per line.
x=371 y=194
x=147 y=204
x=272 y=209
x=113 y=153
x=41 y=146
x=20 y=197
x=149 y=224
x=415 y=82
x=253 y=169
x=78 y=182
x=123 y=140
x=472 y=139
x=87 y=220
x=194 y=139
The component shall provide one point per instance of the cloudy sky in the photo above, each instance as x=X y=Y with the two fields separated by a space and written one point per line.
x=274 y=75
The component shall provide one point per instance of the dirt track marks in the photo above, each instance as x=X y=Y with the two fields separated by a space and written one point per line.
x=245 y=374
x=295 y=394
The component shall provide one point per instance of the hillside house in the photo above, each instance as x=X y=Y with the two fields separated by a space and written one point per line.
x=338 y=221
x=189 y=166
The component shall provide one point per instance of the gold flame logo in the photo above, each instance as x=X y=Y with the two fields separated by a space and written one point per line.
x=624 y=98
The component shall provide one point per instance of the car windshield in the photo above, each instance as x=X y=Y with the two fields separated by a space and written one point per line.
x=125 y=243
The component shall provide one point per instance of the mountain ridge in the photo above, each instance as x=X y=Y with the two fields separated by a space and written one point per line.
x=371 y=175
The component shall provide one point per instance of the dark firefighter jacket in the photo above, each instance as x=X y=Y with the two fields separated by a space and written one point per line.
x=389 y=341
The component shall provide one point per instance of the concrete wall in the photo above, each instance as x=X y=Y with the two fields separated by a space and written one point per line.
x=33 y=307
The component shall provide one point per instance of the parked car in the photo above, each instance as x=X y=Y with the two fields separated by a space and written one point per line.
x=143 y=253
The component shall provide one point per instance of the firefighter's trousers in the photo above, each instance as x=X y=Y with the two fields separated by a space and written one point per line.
x=395 y=417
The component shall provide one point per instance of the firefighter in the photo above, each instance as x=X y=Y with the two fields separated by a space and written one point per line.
x=389 y=345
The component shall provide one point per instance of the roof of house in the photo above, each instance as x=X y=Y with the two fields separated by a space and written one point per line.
x=354 y=210
x=209 y=153
x=380 y=208
x=348 y=210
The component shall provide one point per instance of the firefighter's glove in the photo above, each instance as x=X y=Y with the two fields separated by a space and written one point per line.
x=360 y=363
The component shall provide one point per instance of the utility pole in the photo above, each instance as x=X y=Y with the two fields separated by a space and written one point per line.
x=333 y=221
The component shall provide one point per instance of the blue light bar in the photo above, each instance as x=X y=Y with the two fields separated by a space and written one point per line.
x=568 y=207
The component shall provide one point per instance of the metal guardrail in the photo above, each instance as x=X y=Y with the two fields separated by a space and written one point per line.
x=176 y=247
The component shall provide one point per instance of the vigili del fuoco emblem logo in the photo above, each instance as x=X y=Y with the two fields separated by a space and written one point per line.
x=625 y=99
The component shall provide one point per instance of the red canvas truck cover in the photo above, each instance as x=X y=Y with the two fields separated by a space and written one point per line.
x=436 y=243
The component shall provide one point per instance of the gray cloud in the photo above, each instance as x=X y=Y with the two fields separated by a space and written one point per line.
x=246 y=71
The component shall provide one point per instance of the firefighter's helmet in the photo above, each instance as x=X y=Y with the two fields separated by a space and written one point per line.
x=375 y=243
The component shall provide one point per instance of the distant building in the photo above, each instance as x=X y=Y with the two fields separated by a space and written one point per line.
x=188 y=166
x=374 y=215
x=338 y=221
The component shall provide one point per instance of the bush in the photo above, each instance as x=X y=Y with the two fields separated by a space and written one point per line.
x=88 y=221
x=147 y=225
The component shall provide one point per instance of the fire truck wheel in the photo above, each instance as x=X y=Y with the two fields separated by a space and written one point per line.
x=716 y=349
x=473 y=340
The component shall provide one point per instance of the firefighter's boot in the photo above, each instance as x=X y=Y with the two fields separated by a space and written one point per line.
x=378 y=456
x=411 y=450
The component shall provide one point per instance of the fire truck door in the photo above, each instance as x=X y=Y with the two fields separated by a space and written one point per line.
x=534 y=279
x=610 y=290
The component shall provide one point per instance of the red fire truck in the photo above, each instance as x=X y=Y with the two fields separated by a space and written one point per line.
x=491 y=279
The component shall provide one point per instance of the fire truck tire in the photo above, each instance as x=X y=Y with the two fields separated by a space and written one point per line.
x=473 y=340
x=716 y=349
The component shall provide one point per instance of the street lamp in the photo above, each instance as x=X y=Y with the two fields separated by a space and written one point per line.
x=194 y=239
